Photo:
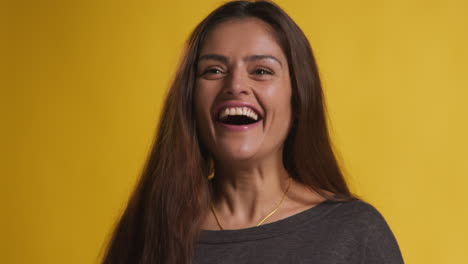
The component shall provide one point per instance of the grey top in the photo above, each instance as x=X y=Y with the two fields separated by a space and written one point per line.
x=330 y=232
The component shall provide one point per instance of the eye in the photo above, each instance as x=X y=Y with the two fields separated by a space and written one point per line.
x=212 y=71
x=262 y=71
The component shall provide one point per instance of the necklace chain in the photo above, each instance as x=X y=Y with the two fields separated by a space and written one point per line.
x=263 y=220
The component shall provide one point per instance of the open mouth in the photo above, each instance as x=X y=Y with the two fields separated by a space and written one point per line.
x=238 y=116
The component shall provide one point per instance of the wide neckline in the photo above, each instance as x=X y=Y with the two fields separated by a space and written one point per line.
x=268 y=230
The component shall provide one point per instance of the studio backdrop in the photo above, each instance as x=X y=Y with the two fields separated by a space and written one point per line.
x=82 y=88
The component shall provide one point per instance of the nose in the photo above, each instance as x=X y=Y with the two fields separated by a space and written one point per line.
x=236 y=83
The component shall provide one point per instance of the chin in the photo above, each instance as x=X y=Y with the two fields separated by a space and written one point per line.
x=237 y=153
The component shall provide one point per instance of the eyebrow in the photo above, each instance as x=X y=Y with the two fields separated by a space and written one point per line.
x=262 y=57
x=225 y=59
x=215 y=57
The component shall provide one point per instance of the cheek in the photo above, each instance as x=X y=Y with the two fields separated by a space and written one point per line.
x=281 y=103
x=199 y=109
x=199 y=96
x=203 y=100
x=279 y=97
x=286 y=94
x=286 y=112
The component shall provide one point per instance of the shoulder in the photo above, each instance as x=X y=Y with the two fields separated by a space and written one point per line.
x=362 y=222
x=363 y=212
x=356 y=210
x=353 y=221
x=358 y=215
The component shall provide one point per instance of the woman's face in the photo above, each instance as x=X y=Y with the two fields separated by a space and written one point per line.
x=242 y=92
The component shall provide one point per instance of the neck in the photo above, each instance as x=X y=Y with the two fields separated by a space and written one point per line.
x=245 y=195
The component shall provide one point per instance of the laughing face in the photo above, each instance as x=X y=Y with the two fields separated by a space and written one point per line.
x=243 y=92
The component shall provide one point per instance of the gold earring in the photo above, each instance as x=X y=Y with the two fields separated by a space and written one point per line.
x=211 y=176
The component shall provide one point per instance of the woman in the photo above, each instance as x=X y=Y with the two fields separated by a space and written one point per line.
x=246 y=107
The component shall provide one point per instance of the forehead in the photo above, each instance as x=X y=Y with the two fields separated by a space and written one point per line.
x=242 y=37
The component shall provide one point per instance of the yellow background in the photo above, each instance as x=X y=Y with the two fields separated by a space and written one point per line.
x=82 y=85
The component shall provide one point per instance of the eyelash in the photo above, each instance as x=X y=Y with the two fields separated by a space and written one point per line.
x=263 y=70
x=210 y=70
x=256 y=71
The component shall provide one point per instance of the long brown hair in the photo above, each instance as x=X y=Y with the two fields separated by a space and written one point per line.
x=161 y=223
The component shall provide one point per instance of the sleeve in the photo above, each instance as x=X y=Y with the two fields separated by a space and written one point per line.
x=380 y=244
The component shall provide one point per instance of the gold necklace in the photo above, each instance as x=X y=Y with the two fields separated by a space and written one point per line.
x=263 y=220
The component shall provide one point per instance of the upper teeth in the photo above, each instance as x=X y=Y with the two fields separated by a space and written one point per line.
x=246 y=111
